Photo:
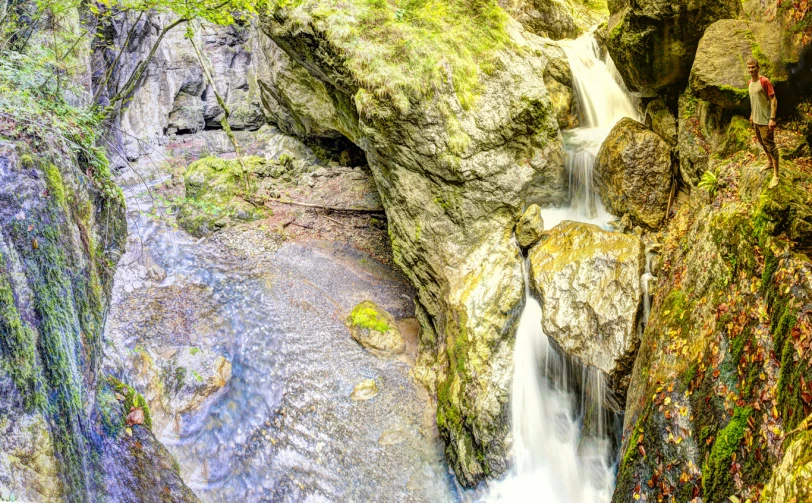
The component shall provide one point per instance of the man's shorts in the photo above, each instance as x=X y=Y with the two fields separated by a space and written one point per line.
x=766 y=137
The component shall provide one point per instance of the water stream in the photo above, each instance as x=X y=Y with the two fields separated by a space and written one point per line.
x=561 y=441
x=284 y=427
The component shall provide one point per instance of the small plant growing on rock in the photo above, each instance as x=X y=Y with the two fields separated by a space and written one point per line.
x=709 y=182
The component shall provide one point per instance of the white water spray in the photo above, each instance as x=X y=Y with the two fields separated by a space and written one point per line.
x=602 y=101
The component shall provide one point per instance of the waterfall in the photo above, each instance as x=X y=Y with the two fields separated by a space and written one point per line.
x=602 y=101
x=562 y=448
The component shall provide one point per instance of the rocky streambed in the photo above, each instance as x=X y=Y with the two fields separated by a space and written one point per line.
x=244 y=357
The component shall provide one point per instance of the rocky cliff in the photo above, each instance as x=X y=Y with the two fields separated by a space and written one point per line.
x=455 y=159
x=62 y=229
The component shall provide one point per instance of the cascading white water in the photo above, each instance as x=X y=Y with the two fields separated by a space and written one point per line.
x=553 y=461
x=602 y=101
x=560 y=439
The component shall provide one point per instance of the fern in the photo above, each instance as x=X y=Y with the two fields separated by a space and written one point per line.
x=709 y=182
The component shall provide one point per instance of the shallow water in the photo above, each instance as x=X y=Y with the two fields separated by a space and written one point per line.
x=284 y=427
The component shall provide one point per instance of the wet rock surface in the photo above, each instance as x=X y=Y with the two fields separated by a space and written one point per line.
x=588 y=284
x=284 y=427
x=633 y=173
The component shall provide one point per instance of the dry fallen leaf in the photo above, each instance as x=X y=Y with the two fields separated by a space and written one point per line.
x=136 y=416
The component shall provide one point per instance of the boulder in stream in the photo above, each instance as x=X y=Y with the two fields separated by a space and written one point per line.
x=633 y=173
x=192 y=375
x=588 y=282
x=375 y=329
x=365 y=390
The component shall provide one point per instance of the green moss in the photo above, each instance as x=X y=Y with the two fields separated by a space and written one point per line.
x=18 y=346
x=367 y=315
x=53 y=180
x=132 y=398
x=717 y=482
x=406 y=49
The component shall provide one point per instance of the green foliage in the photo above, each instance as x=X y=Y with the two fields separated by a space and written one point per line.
x=406 y=49
x=132 y=398
x=367 y=315
x=709 y=182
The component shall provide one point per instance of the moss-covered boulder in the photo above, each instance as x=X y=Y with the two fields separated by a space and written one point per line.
x=530 y=227
x=588 y=282
x=217 y=191
x=375 y=329
x=722 y=375
x=719 y=73
x=653 y=42
x=633 y=173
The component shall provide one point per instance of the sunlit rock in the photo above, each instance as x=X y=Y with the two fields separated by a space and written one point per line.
x=719 y=74
x=653 y=42
x=588 y=283
x=530 y=227
x=364 y=390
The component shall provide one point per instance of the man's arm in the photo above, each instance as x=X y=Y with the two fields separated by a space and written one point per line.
x=773 y=110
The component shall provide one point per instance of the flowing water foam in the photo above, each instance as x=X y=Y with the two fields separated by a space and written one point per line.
x=561 y=443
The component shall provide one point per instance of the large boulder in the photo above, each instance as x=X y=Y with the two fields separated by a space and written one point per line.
x=588 y=281
x=653 y=42
x=633 y=173
x=719 y=73
x=454 y=172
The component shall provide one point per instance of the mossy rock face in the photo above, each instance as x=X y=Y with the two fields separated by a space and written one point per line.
x=740 y=136
x=719 y=381
x=61 y=233
x=375 y=329
x=653 y=42
x=213 y=190
x=719 y=73
x=659 y=119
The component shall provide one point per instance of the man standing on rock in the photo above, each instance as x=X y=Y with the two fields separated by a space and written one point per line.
x=764 y=106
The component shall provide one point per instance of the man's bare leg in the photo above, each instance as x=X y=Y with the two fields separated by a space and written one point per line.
x=774 y=182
